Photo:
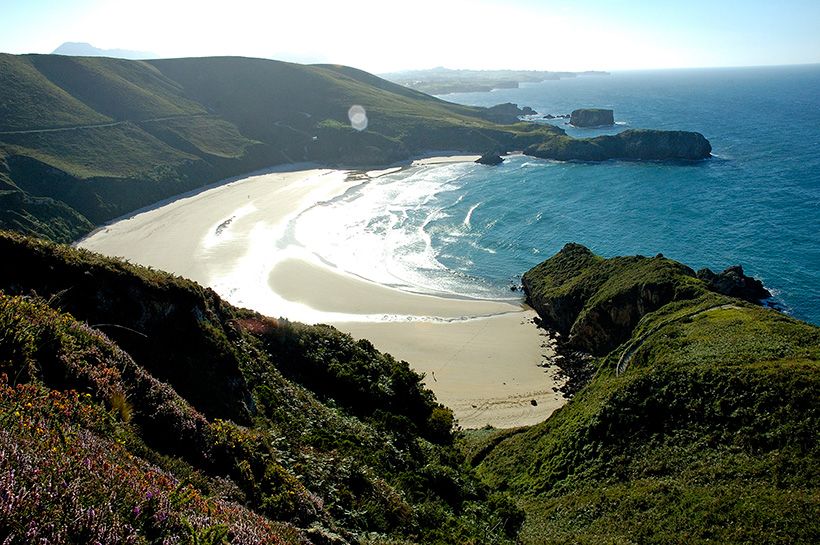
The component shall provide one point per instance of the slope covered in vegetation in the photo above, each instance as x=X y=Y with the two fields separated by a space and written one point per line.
x=106 y=136
x=699 y=425
x=138 y=407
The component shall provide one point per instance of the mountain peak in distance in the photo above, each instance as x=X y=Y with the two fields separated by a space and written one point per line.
x=82 y=49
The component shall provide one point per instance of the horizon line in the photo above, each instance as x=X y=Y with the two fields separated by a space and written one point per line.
x=396 y=71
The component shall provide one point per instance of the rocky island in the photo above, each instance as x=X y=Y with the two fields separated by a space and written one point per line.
x=591 y=117
x=632 y=144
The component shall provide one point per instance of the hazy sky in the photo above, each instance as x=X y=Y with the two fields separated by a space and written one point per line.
x=381 y=36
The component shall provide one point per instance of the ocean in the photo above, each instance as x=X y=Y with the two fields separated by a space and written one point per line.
x=471 y=230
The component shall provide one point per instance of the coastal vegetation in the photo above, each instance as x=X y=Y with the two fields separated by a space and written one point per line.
x=136 y=406
x=84 y=140
x=698 y=424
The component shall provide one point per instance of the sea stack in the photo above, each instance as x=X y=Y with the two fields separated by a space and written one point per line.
x=592 y=117
x=491 y=159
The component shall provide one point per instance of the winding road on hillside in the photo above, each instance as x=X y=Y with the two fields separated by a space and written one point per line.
x=102 y=125
x=626 y=356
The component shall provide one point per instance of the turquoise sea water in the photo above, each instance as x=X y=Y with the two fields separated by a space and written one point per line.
x=471 y=230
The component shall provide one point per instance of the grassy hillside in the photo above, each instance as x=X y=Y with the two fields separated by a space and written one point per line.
x=32 y=101
x=700 y=425
x=170 y=415
x=106 y=136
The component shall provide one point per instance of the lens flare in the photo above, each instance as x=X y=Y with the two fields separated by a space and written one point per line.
x=358 y=117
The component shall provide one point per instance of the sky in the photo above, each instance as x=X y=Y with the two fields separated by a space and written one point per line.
x=382 y=36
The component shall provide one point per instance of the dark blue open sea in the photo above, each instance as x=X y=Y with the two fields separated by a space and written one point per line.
x=470 y=229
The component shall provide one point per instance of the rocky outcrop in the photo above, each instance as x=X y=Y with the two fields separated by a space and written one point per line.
x=506 y=113
x=595 y=303
x=734 y=283
x=633 y=144
x=491 y=159
x=592 y=117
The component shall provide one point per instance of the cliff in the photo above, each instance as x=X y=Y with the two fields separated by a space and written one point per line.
x=592 y=117
x=596 y=303
x=699 y=424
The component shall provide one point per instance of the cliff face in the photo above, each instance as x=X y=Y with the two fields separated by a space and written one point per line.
x=592 y=117
x=596 y=303
x=632 y=144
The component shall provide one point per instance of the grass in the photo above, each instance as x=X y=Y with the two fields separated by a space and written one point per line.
x=122 y=151
x=707 y=435
x=32 y=101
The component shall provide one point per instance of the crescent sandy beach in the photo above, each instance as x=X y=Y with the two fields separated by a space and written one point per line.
x=484 y=358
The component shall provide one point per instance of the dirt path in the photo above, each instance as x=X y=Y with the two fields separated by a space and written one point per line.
x=626 y=357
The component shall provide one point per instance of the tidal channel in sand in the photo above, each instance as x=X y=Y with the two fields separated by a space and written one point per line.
x=482 y=358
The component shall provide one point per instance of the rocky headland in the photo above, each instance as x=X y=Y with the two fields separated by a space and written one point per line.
x=632 y=144
x=507 y=113
x=596 y=303
x=695 y=399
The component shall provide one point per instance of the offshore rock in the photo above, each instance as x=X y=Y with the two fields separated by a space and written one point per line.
x=592 y=117
x=491 y=159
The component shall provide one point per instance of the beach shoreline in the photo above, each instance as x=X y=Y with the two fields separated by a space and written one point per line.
x=483 y=358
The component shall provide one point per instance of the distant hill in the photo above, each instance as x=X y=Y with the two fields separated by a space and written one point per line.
x=442 y=81
x=82 y=49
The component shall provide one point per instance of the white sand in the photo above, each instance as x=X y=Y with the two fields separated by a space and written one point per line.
x=486 y=370
x=481 y=358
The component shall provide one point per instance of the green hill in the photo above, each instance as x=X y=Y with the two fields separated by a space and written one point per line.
x=106 y=136
x=699 y=425
x=138 y=407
